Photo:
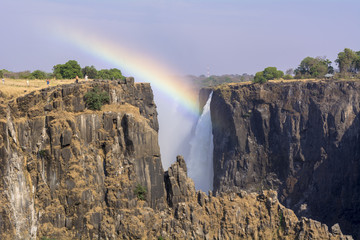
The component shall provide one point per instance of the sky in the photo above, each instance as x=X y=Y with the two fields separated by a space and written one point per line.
x=155 y=40
x=229 y=37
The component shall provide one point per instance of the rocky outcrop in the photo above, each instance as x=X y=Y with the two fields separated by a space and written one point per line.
x=196 y=215
x=66 y=170
x=178 y=186
x=301 y=138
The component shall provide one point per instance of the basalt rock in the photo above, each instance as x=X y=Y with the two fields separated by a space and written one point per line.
x=300 y=138
x=67 y=171
x=228 y=216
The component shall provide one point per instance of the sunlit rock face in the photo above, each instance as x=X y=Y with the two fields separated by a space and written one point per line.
x=64 y=167
x=67 y=172
x=301 y=138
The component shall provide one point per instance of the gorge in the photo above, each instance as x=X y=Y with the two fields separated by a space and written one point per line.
x=68 y=172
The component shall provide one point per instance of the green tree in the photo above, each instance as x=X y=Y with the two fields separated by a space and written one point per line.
x=357 y=62
x=69 y=70
x=269 y=73
x=110 y=74
x=91 y=71
x=259 y=78
x=313 y=67
x=37 y=74
x=272 y=73
x=347 y=61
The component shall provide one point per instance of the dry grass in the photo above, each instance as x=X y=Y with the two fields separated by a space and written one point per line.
x=16 y=87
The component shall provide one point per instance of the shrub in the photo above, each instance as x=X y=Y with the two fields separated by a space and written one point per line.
x=37 y=74
x=140 y=191
x=96 y=98
x=288 y=77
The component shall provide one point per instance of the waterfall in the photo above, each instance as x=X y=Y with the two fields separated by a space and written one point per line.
x=200 y=159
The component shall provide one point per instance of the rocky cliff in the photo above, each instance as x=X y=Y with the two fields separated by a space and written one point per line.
x=68 y=172
x=300 y=138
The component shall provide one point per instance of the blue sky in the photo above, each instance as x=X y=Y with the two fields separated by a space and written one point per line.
x=228 y=36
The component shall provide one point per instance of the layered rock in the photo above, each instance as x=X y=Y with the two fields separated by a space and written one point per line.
x=66 y=171
x=195 y=215
x=301 y=138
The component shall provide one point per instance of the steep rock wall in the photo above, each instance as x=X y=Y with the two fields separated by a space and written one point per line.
x=66 y=171
x=70 y=173
x=301 y=138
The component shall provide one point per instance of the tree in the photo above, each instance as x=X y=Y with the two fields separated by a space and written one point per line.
x=110 y=74
x=269 y=73
x=69 y=70
x=357 y=62
x=259 y=78
x=313 y=67
x=91 y=72
x=272 y=73
x=37 y=74
x=347 y=61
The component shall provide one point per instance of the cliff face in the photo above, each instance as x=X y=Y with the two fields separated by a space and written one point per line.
x=301 y=138
x=66 y=170
x=70 y=173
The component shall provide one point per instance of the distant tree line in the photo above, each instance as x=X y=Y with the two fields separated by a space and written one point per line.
x=348 y=62
x=69 y=70
x=213 y=80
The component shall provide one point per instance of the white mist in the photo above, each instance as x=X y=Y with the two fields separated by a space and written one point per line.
x=200 y=159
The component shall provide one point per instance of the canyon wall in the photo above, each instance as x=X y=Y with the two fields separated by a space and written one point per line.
x=68 y=172
x=300 y=138
x=64 y=167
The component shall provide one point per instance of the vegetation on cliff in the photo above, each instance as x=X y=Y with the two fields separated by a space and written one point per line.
x=348 y=62
x=68 y=70
x=96 y=98
x=269 y=73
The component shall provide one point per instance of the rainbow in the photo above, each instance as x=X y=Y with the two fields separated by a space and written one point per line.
x=142 y=67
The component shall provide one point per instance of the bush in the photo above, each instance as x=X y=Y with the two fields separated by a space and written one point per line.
x=37 y=74
x=288 y=77
x=140 y=191
x=96 y=98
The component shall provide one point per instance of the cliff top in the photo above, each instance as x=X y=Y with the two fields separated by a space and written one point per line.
x=282 y=81
x=13 y=88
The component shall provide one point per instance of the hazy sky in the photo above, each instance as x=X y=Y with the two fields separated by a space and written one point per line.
x=228 y=36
